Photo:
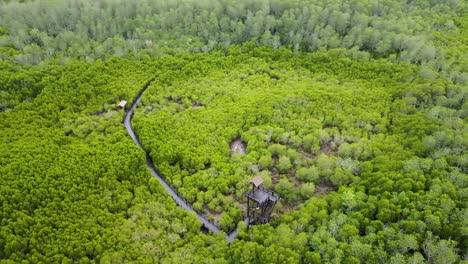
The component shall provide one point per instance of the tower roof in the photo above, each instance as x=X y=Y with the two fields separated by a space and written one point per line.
x=257 y=181
x=122 y=104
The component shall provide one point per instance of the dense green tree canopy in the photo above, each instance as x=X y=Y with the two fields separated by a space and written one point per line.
x=355 y=112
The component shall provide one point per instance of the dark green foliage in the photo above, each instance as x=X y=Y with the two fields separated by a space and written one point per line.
x=99 y=29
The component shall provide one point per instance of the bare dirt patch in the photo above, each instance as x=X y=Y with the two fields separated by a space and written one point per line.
x=328 y=148
x=275 y=176
x=238 y=147
x=323 y=189
x=307 y=156
x=150 y=109
x=174 y=99
x=196 y=104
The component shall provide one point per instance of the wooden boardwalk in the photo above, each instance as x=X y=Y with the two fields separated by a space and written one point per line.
x=209 y=225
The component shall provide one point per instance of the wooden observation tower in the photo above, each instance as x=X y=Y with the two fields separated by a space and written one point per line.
x=260 y=202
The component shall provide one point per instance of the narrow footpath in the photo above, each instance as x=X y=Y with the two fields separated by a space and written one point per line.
x=210 y=226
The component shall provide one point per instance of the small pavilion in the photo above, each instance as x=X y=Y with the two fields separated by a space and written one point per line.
x=122 y=104
x=260 y=202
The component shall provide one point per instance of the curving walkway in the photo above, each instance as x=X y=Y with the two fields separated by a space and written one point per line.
x=172 y=192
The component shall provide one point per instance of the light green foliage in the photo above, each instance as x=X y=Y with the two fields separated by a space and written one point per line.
x=277 y=150
x=307 y=190
x=284 y=164
x=85 y=190
x=265 y=161
x=286 y=189
x=326 y=165
x=308 y=174
x=341 y=177
x=188 y=131
x=354 y=112
x=190 y=142
x=312 y=143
